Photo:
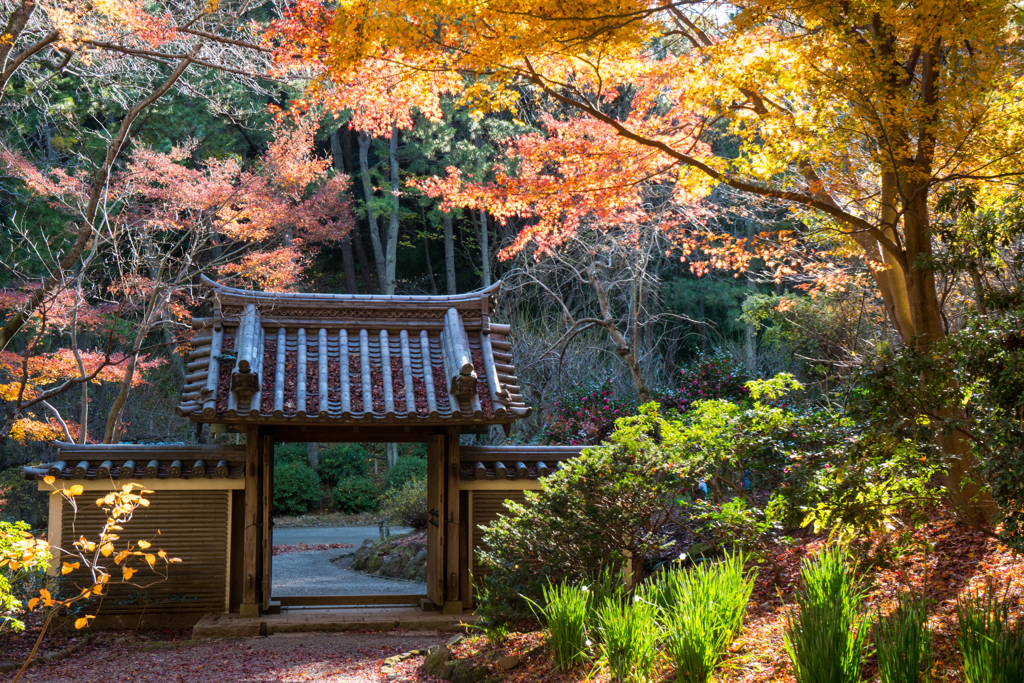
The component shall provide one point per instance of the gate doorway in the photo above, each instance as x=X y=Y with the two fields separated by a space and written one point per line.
x=355 y=478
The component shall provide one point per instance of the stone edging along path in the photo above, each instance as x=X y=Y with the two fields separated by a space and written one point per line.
x=6 y=667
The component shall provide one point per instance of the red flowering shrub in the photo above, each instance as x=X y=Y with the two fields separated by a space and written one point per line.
x=586 y=413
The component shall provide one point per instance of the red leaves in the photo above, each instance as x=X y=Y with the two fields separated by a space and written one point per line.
x=577 y=172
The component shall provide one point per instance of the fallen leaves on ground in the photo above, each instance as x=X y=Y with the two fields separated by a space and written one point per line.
x=311 y=657
x=960 y=560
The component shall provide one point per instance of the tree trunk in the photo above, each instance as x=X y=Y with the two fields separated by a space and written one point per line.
x=430 y=267
x=313 y=456
x=391 y=255
x=371 y=215
x=750 y=332
x=622 y=347
x=485 y=258
x=391 y=454
x=370 y=280
x=449 y=254
x=112 y=433
x=347 y=262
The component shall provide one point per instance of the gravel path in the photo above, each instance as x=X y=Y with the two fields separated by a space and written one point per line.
x=313 y=573
x=290 y=657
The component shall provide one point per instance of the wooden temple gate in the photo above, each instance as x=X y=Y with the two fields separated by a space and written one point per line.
x=325 y=368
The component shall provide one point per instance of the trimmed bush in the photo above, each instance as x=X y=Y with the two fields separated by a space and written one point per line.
x=355 y=494
x=406 y=469
x=342 y=461
x=573 y=528
x=407 y=506
x=290 y=454
x=296 y=489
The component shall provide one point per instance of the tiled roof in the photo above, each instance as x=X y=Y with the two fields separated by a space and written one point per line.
x=344 y=358
x=134 y=461
x=498 y=463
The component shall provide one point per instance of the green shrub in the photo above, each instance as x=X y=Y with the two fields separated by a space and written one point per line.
x=629 y=639
x=992 y=647
x=21 y=499
x=355 y=494
x=701 y=610
x=405 y=469
x=825 y=635
x=903 y=642
x=565 y=612
x=407 y=506
x=296 y=489
x=290 y=454
x=17 y=585
x=342 y=461
x=574 y=527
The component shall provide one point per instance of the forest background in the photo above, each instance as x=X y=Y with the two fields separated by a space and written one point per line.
x=675 y=201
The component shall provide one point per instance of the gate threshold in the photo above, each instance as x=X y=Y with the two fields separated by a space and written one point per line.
x=347 y=600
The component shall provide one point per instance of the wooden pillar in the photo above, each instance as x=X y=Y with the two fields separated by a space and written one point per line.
x=452 y=526
x=251 y=539
x=435 y=517
x=465 y=549
x=267 y=505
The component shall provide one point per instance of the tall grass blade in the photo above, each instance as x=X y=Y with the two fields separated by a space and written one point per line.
x=825 y=636
x=992 y=646
x=701 y=611
x=904 y=643
x=629 y=639
x=566 y=611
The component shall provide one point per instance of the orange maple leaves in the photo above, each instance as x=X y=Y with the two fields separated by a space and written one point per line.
x=382 y=92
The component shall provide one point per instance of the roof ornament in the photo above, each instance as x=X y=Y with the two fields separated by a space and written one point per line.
x=244 y=382
x=458 y=361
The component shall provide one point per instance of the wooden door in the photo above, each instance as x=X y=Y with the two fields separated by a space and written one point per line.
x=435 y=518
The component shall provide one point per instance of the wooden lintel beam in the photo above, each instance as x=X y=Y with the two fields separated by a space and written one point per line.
x=349 y=434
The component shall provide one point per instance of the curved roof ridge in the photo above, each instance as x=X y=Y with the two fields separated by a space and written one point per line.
x=254 y=296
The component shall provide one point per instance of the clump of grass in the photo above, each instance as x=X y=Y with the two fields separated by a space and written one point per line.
x=566 y=610
x=702 y=611
x=629 y=639
x=904 y=643
x=825 y=636
x=992 y=647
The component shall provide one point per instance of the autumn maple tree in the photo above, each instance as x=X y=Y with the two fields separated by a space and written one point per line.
x=138 y=53
x=380 y=97
x=166 y=223
x=858 y=117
